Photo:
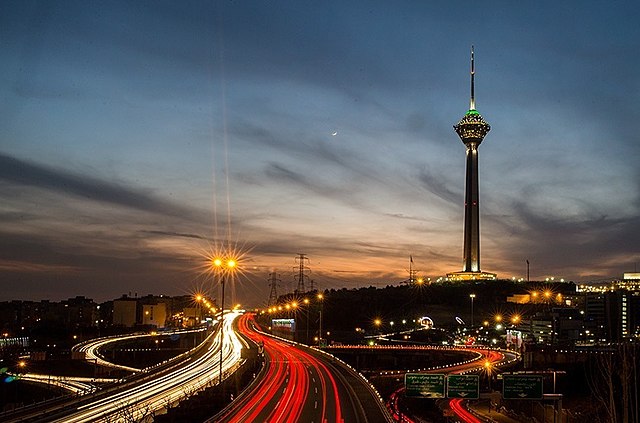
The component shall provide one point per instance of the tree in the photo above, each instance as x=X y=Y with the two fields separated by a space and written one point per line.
x=613 y=383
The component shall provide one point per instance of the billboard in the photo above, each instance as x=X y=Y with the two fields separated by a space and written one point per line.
x=514 y=338
x=285 y=328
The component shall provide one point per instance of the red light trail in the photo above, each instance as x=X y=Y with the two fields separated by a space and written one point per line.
x=456 y=403
x=461 y=412
x=297 y=386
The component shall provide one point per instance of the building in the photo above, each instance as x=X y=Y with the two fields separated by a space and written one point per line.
x=555 y=326
x=612 y=316
x=125 y=312
x=154 y=315
x=472 y=129
x=74 y=313
x=80 y=312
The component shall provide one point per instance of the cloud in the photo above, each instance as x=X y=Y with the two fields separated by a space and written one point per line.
x=440 y=186
x=405 y=217
x=580 y=246
x=25 y=173
x=44 y=266
x=174 y=234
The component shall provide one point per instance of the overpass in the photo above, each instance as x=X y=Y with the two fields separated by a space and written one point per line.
x=148 y=391
x=383 y=359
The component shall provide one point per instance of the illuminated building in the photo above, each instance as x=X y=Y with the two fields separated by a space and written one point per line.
x=472 y=129
x=154 y=314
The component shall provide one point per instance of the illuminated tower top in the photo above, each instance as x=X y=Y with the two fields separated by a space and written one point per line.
x=472 y=128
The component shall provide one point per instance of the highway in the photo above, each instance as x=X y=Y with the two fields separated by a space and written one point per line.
x=83 y=385
x=74 y=384
x=494 y=357
x=140 y=399
x=91 y=348
x=300 y=384
x=461 y=412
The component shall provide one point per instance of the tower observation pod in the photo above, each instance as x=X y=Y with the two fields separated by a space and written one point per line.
x=471 y=129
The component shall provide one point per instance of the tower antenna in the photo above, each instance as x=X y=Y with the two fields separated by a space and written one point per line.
x=472 y=102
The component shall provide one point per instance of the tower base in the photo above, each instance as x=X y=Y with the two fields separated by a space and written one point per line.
x=471 y=276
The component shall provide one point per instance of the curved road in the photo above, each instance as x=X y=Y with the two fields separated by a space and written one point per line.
x=138 y=400
x=300 y=384
x=496 y=358
x=91 y=347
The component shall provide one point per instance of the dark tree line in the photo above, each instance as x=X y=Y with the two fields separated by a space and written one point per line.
x=613 y=380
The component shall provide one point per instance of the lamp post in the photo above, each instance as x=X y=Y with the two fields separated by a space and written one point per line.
x=198 y=317
x=320 y=298
x=472 y=296
x=306 y=302
x=488 y=368
x=229 y=265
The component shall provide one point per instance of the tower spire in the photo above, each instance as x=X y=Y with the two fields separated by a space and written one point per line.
x=472 y=102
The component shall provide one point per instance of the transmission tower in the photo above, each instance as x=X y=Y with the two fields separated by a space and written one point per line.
x=273 y=284
x=412 y=272
x=301 y=259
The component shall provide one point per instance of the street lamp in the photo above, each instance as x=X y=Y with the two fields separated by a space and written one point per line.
x=228 y=265
x=320 y=298
x=472 y=296
x=306 y=302
x=488 y=368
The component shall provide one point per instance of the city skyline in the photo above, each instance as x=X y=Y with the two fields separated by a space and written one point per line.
x=130 y=131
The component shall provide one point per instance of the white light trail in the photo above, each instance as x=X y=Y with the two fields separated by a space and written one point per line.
x=157 y=393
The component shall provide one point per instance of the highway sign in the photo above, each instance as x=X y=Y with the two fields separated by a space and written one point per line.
x=522 y=387
x=463 y=386
x=424 y=385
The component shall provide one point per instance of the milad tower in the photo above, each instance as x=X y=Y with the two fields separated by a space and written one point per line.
x=471 y=129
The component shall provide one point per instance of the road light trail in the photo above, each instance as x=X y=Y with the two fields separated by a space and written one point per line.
x=91 y=348
x=495 y=358
x=75 y=384
x=156 y=393
x=461 y=412
x=285 y=393
x=456 y=404
x=91 y=351
x=299 y=385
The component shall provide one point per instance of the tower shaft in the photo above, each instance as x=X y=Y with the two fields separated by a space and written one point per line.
x=471 y=254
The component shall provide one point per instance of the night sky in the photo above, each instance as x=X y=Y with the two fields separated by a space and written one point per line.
x=137 y=136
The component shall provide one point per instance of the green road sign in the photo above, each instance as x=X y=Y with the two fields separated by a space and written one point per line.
x=424 y=385
x=522 y=387
x=463 y=386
